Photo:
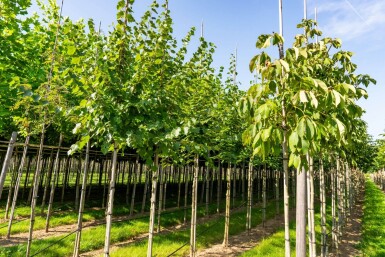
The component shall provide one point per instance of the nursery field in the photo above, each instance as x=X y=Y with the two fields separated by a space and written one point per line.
x=131 y=142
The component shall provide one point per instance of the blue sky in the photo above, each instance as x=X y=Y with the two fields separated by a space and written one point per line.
x=230 y=24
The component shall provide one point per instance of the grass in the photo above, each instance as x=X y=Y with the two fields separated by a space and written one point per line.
x=373 y=225
x=208 y=233
x=93 y=238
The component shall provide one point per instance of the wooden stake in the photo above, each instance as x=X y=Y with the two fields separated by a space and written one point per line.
x=155 y=176
x=16 y=191
x=53 y=186
x=110 y=206
x=82 y=201
x=7 y=161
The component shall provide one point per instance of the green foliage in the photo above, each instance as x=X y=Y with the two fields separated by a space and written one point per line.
x=379 y=158
x=316 y=89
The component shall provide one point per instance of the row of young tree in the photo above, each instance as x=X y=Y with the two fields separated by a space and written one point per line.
x=139 y=89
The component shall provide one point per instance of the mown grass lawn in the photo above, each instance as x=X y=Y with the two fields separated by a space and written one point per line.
x=373 y=223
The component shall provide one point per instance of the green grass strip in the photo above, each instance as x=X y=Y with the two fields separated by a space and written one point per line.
x=373 y=225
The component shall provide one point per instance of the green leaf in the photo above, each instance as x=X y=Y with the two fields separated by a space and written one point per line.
x=337 y=97
x=314 y=100
x=285 y=65
x=303 y=97
x=263 y=41
x=266 y=133
x=293 y=140
x=71 y=49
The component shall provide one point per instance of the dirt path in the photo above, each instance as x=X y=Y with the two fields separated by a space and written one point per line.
x=352 y=236
x=244 y=241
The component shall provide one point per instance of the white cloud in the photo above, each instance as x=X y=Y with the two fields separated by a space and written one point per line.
x=350 y=19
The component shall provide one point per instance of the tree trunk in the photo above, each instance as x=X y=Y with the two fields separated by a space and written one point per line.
x=147 y=178
x=227 y=215
x=323 y=210
x=12 y=185
x=334 y=222
x=161 y=179
x=136 y=171
x=53 y=186
x=179 y=186
x=249 y=196
x=310 y=202
x=110 y=206
x=130 y=171
x=16 y=191
x=47 y=182
x=186 y=181
x=26 y=182
x=194 y=208
x=35 y=189
x=92 y=177
x=301 y=214
x=277 y=193
x=207 y=187
x=155 y=176
x=264 y=173
x=219 y=185
x=7 y=161
x=82 y=200
x=67 y=167
x=77 y=185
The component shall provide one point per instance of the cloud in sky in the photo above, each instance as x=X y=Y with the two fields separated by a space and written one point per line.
x=350 y=19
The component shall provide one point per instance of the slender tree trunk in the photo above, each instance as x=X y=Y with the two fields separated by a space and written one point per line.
x=334 y=222
x=67 y=167
x=110 y=206
x=301 y=214
x=207 y=186
x=155 y=176
x=91 y=179
x=227 y=215
x=264 y=174
x=194 y=208
x=77 y=184
x=234 y=173
x=16 y=191
x=145 y=189
x=249 y=196
x=136 y=171
x=179 y=186
x=12 y=185
x=339 y=205
x=26 y=182
x=130 y=171
x=53 y=186
x=310 y=202
x=35 y=189
x=323 y=210
x=7 y=161
x=186 y=181
x=47 y=182
x=277 y=193
x=82 y=201
x=161 y=179
x=219 y=185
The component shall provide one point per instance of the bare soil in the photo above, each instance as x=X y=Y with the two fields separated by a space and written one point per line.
x=246 y=241
x=352 y=232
